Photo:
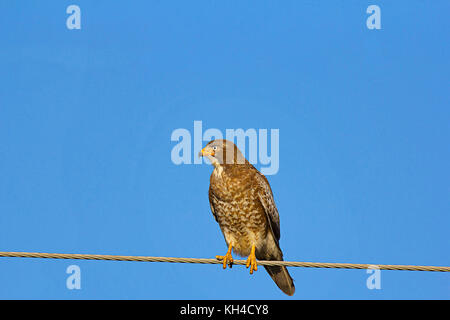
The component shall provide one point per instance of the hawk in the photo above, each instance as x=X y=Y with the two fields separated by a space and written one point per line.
x=242 y=203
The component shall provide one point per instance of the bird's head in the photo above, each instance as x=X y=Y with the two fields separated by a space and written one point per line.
x=221 y=152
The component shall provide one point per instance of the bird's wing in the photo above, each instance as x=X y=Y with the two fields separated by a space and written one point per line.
x=212 y=200
x=266 y=198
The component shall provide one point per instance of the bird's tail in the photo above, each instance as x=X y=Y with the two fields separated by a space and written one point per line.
x=282 y=278
x=279 y=274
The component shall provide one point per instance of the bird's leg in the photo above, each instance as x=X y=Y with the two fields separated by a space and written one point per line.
x=251 y=261
x=227 y=258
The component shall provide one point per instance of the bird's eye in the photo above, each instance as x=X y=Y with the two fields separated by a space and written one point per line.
x=215 y=148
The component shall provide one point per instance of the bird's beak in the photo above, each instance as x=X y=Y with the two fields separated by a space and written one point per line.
x=206 y=151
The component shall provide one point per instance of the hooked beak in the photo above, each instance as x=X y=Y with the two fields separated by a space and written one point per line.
x=206 y=151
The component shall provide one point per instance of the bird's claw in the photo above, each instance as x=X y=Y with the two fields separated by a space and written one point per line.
x=251 y=261
x=227 y=259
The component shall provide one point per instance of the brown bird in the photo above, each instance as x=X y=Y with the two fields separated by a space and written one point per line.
x=242 y=203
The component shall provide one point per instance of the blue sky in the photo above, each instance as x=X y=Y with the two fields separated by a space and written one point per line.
x=86 y=118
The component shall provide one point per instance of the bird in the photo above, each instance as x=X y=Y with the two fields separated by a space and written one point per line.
x=242 y=203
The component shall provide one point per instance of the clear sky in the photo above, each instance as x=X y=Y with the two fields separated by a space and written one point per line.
x=86 y=117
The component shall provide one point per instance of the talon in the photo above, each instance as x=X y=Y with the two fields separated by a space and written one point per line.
x=227 y=258
x=251 y=261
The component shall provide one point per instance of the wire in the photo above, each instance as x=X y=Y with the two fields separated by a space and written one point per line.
x=217 y=261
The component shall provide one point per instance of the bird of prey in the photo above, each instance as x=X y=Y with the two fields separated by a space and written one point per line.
x=242 y=203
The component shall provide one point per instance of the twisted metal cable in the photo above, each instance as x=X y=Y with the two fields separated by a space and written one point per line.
x=217 y=261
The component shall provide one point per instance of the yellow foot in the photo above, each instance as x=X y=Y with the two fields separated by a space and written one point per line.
x=227 y=258
x=251 y=261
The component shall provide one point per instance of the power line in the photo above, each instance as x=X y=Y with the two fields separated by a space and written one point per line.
x=216 y=261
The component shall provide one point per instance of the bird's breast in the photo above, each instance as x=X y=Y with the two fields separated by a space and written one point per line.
x=242 y=221
x=238 y=209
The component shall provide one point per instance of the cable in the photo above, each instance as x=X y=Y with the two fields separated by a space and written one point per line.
x=216 y=261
